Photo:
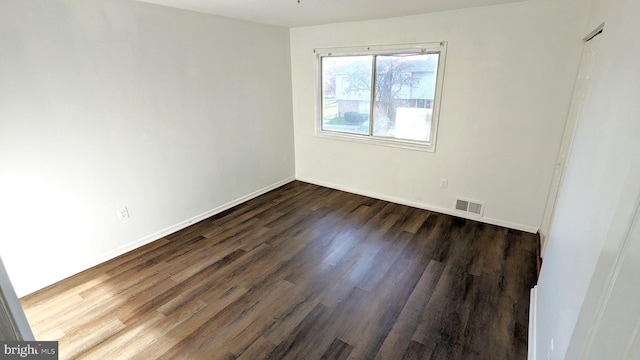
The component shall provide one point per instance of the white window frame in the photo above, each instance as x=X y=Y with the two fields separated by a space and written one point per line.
x=432 y=47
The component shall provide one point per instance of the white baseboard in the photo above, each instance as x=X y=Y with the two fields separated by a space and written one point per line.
x=421 y=205
x=158 y=235
x=533 y=311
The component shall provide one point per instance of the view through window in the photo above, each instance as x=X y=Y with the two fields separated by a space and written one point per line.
x=390 y=96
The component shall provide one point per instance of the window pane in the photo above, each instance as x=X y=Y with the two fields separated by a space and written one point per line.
x=346 y=93
x=405 y=91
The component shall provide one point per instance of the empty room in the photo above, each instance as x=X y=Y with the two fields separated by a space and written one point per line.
x=284 y=179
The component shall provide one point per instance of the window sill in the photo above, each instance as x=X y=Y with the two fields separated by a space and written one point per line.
x=379 y=141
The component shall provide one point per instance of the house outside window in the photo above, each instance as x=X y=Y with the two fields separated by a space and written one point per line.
x=385 y=95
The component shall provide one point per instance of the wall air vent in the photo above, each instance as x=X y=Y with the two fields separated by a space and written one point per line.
x=470 y=206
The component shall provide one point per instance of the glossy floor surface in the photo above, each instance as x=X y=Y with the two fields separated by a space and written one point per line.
x=302 y=272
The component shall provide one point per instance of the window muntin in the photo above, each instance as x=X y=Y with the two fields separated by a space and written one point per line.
x=401 y=106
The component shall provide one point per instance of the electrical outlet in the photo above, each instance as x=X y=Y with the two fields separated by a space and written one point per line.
x=123 y=213
x=444 y=183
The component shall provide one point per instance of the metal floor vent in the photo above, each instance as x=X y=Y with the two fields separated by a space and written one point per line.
x=473 y=207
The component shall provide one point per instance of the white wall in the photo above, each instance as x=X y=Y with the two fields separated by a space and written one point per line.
x=111 y=103
x=508 y=80
x=597 y=203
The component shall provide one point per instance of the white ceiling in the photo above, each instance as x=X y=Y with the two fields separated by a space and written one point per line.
x=314 y=12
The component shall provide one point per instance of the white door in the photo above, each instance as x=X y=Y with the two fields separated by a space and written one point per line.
x=614 y=333
x=575 y=109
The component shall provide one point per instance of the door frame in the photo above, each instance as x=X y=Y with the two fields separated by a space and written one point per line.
x=564 y=153
x=13 y=321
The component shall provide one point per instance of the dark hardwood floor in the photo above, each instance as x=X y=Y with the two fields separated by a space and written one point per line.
x=302 y=272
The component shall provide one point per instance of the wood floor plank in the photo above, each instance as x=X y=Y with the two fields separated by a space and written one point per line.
x=63 y=303
x=300 y=335
x=126 y=340
x=249 y=321
x=389 y=297
x=257 y=350
x=70 y=287
x=302 y=272
x=338 y=350
x=399 y=338
x=76 y=342
x=167 y=338
x=144 y=344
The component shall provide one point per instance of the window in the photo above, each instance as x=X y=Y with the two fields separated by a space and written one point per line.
x=387 y=95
